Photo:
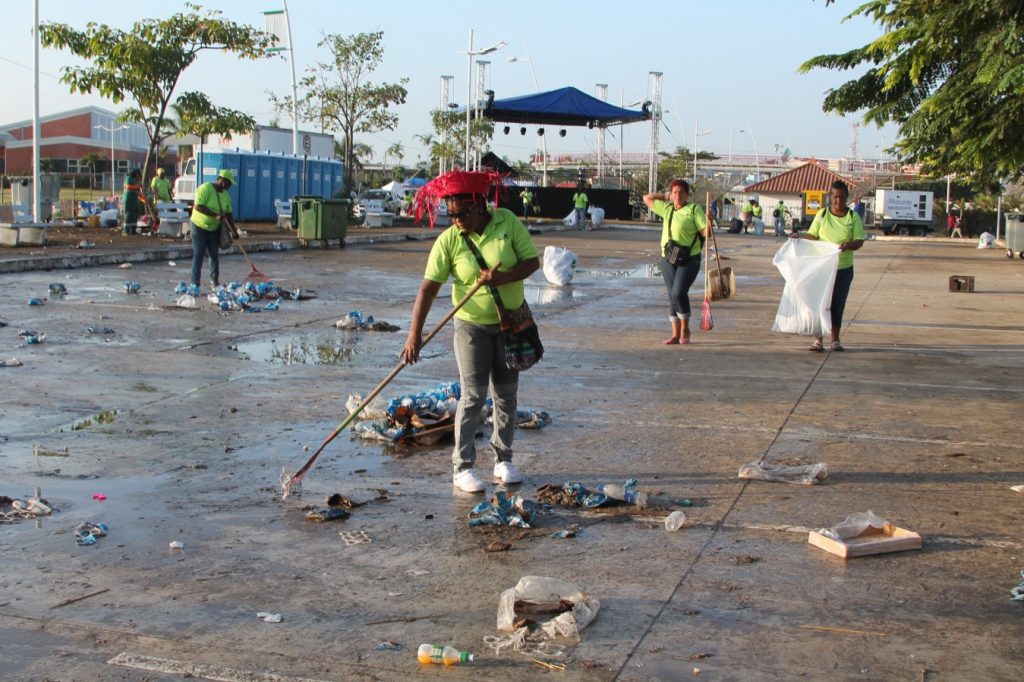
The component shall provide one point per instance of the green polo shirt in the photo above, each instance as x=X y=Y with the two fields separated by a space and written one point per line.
x=580 y=199
x=684 y=225
x=527 y=196
x=161 y=187
x=218 y=202
x=838 y=229
x=504 y=244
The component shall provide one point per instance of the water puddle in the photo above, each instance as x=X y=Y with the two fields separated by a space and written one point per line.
x=325 y=348
x=647 y=271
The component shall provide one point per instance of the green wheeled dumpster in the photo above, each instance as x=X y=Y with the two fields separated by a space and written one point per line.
x=316 y=218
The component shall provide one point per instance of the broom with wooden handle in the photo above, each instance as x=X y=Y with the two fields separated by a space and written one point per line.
x=292 y=482
x=707 y=323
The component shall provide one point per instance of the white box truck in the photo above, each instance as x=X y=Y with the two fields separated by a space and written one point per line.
x=903 y=212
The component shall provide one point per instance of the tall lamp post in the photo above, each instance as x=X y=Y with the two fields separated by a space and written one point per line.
x=757 y=161
x=470 y=53
x=731 y=131
x=696 y=135
x=112 y=130
x=543 y=140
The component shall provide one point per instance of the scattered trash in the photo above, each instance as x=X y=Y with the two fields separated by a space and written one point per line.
x=35 y=301
x=862 y=534
x=278 y=246
x=675 y=521
x=559 y=265
x=570 y=494
x=131 y=286
x=624 y=493
x=563 y=534
x=40 y=452
x=10 y=362
x=327 y=514
x=1014 y=488
x=88 y=533
x=93 y=329
x=172 y=264
x=449 y=655
x=1017 y=593
x=503 y=511
x=354 y=537
x=747 y=559
x=85 y=244
x=355 y=321
x=125 y=266
x=803 y=474
x=186 y=301
x=33 y=338
x=273 y=305
x=238 y=296
x=176 y=544
x=12 y=510
x=498 y=546
x=388 y=646
x=339 y=500
x=545 y=608
x=58 y=289
x=99 y=497
x=268 y=617
x=417 y=572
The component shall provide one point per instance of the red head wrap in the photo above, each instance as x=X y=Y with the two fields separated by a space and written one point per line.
x=456 y=183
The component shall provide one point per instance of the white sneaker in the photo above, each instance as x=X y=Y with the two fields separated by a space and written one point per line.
x=468 y=482
x=506 y=472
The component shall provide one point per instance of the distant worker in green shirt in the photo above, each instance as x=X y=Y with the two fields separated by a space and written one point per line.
x=161 y=186
x=580 y=201
x=527 y=196
x=211 y=214
x=131 y=202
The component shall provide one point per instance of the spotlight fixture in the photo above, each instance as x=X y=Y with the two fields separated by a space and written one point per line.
x=522 y=131
x=540 y=132
x=561 y=133
x=507 y=129
x=590 y=124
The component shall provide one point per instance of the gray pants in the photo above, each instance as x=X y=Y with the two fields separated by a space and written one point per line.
x=481 y=359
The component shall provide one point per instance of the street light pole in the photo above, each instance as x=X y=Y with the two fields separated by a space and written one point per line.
x=757 y=161
x=543 y=140
x=112 y=130
x=469 y=78
x=695 y=136
x=731 y=131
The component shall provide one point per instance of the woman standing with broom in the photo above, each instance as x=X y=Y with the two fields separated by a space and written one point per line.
x=479 y=234
x=684 y=227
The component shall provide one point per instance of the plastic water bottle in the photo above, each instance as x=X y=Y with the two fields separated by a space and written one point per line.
x=675 y=520
x=449 y=655
x=618 y=492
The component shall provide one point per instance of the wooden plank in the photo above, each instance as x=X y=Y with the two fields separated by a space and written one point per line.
x=871 y=541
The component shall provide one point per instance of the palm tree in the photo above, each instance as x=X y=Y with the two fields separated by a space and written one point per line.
x=89 y=161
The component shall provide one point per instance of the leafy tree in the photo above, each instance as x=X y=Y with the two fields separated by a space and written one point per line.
x=339 y=92
x=450 y=126
x=396 y=152
x=951 y=74
x=144 y=64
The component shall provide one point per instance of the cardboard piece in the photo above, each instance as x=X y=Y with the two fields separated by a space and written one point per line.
x=871 y=540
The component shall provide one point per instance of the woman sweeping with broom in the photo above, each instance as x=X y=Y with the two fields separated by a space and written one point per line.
x=479 y=236
x=684 y=227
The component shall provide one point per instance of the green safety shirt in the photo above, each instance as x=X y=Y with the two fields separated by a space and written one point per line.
x=162 y=188
x=756 y=211
x=781 y=208
x=503 y=244
x=218 y=202
x=527 y=196
x=580 y=199
x=838 y=229
x=683 y=226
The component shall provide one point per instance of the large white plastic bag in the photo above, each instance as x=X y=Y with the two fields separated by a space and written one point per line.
x=570 y=220
x=559 y=265
x=809 y=268
x=596 y=216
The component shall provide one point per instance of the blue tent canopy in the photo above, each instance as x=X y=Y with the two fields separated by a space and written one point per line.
x=562 y=107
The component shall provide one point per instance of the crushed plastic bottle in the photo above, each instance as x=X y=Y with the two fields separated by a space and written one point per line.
x=625 y=493
x=449 y=655
x=35 y=301
x=187 y=301
x=675 y=521
x=131 y=286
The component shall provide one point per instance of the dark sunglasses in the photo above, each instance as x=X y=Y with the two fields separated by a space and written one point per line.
x=460 y=215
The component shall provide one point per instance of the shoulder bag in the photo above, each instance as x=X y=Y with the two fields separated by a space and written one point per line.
x=519 y=333
x=675 y=253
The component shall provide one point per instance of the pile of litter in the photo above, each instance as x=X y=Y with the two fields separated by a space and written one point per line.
x=571 y=494
x=501 y=510
x=58 y=289
x=12 y=510
x=338 y=507
x=88 y=533
x=238 y=296
x=31 y=337
x=10 y=362
x=1017 y=593
x=131 y=286
x=423 y=418
x=355 y=321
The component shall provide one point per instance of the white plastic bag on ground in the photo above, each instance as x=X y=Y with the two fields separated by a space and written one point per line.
x=801 y=474
x=537 y=598
x=809 y=268
x=986 y=240
x=559 y=265
x=854 y=525
x=570 y=220
x=596 y=216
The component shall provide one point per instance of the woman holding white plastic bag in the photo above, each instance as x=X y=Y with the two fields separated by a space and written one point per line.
x=843 y=227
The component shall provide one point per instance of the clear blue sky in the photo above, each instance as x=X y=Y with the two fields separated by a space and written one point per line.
x=729 y=65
